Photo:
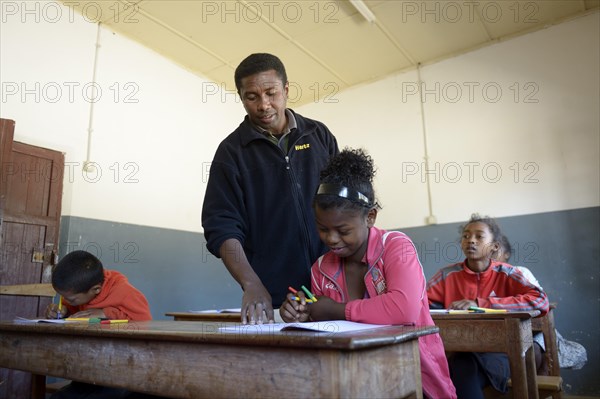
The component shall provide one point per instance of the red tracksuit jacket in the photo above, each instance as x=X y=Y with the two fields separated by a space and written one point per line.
x=500 y=286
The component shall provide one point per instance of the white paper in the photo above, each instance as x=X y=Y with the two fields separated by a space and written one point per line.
x=24 y=320
x=331 y=326
x=450 y=311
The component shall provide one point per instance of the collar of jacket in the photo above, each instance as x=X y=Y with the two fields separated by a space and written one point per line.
x=490 y=268
x=250 y=133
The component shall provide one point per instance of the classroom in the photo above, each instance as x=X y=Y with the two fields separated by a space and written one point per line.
x=509 y=128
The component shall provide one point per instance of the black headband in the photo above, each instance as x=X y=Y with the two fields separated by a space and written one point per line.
x=344 y=192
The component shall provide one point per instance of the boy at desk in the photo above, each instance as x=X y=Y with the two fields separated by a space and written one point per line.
x=482 y=282
x=369 y=275
x=88 y=290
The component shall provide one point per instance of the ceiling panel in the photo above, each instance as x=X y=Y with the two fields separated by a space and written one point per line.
x=230 y=29
x=507 y=18
x=355 y=50
x=296 y=18
x=326 y=45
x=427 y=32
x=160 y=38
x=309 y=80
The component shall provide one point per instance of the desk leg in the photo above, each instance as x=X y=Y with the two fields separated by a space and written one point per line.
x=523 y=375
x=531 y=374
x=38 y=386
x=522 y=361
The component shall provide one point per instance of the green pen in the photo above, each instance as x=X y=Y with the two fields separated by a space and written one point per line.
x=310 y=295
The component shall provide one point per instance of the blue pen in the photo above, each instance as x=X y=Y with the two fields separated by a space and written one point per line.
x=295 y=298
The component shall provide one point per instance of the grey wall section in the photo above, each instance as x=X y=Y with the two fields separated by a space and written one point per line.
x=172 y=268
x=176 y=272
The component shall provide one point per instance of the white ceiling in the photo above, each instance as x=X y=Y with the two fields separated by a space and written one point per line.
x=326 y=45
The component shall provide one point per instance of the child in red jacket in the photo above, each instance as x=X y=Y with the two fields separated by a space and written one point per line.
x=369 y=275
x=88 y=290
x=481 y=281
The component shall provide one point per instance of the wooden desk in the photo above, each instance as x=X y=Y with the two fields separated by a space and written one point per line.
x=192 y=316
x=495 y=332
x=193 y=359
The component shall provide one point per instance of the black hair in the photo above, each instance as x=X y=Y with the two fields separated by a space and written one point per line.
x=77 y=272
x=490 y=222
x=258 y=62
x=351 y=168
x=505 y=247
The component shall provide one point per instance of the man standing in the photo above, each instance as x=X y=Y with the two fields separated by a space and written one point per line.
x=257 y=213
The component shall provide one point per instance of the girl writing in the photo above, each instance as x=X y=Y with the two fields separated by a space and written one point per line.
x=369 y=275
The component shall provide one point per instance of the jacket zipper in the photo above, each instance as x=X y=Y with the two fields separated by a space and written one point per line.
x=299 y=207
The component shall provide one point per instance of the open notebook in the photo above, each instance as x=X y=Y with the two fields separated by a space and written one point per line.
x=331 y=326
x=57 y=321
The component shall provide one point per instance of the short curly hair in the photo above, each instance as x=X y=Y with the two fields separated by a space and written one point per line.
x=256 y=63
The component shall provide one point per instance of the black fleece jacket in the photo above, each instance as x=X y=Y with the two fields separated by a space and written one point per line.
x=262 y=197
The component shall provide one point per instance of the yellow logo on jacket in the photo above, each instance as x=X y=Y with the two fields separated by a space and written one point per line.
x=302 y=147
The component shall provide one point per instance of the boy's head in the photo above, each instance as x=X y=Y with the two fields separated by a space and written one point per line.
x=78 y=277
x=256 y=63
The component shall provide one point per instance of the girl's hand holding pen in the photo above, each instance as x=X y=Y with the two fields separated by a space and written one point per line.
x=296 y=308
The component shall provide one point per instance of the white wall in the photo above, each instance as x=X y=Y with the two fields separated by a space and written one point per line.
x=155 y=125
x=512 y=129
x=155 y=130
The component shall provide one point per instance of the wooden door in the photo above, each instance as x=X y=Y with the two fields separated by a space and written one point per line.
x=30 y=200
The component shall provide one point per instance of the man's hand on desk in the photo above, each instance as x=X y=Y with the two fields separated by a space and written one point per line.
x=257 y=307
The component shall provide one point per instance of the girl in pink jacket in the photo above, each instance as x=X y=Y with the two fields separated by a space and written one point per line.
x=369 y=275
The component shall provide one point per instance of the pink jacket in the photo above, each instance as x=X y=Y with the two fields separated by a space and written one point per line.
x=396 y=295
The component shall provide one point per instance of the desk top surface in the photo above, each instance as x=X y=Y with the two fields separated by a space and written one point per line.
x=485 y=316
x=208 y=333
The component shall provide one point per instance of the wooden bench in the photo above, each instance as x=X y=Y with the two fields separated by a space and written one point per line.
x=548 y=385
